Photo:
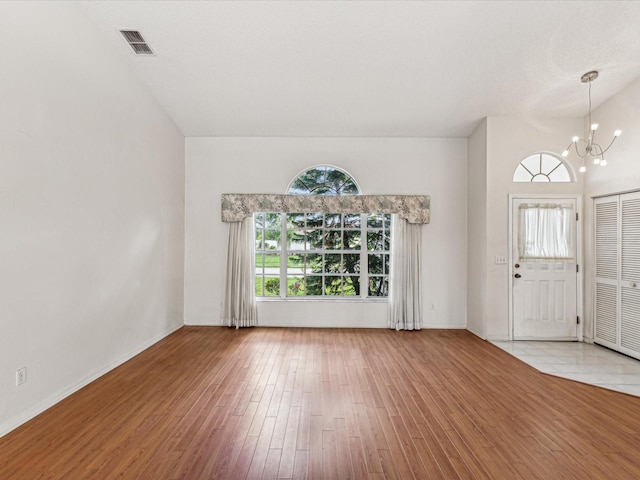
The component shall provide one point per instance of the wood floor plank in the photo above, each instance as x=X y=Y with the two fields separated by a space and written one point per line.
x=219 y=403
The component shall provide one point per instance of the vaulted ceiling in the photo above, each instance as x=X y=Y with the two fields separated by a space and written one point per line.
x=386 y=68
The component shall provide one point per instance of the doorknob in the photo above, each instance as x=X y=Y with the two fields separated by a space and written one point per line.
x=517 y=275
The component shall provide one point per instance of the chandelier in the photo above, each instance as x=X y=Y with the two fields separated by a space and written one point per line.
x=589 y=149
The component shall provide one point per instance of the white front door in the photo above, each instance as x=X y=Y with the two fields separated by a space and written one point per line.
x=543 y=268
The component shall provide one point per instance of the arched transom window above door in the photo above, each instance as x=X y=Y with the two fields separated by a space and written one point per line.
x=542 y=167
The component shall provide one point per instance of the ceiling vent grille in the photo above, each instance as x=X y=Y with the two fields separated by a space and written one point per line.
x=137 y=42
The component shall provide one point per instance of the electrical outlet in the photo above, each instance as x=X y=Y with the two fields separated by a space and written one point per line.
x=501 y=259
x=21 y=376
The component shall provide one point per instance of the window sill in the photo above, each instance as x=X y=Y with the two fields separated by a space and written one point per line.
x=322 y=299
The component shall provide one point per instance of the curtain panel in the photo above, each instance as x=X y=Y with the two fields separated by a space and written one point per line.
x=545 y=232
x=405 y=286
x=239 y=306
x=414 y=209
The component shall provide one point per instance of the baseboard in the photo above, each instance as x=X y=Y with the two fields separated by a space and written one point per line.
x=477 y=334
x=50 y=401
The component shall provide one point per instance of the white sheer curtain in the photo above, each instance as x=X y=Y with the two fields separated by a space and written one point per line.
x=239 y=305
x=405 y=304
x=545 y=232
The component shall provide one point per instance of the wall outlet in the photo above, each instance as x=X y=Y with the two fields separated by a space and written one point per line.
x=501 y=259
x=21 y=376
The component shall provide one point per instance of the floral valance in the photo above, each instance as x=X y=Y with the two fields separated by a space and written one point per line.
x=237 y=206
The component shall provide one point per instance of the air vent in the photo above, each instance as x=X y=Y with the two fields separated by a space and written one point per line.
x=137 y=42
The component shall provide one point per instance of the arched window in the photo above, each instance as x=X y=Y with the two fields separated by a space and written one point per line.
x=324 y=180
x=542 y=167
x=315 y=254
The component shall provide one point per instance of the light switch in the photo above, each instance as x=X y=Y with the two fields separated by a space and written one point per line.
x=501 y=259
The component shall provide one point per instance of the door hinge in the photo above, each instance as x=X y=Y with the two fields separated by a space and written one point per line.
x=577 y=216
x=577 y=268
x=578 y=320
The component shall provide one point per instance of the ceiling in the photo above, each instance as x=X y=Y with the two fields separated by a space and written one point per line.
x=384 y=68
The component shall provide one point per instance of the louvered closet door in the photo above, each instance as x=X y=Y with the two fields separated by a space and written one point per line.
x=607 y=229
x=630 y=274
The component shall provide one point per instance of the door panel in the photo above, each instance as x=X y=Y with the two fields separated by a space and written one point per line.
x=607 y=233
x=544 y=278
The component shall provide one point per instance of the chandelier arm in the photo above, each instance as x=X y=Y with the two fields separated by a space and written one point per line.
x=575 y=144
x=609 y=146
x=597 y=150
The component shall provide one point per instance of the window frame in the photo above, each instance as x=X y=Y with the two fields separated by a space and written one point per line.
x=543 y=171
x=284 y=250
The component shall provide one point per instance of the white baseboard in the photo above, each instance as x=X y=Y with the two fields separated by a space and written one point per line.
x=50 y=401
x=477 y=334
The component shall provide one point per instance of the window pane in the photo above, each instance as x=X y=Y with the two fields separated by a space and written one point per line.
x=374 y=220
x=375 y=240
x=272 y=239
x=295 y=263
x=314 y=219
x=313 y=263
x=352 y=263
x=271 y=286
x=271 y=261
x=259 y=262
x=295 y=220
x=521 y=175
x=314 y=239
x=560 y=174
x=332 y=220
x=348 y=287
x=548 y=163
x=332 y=286
x=352 y=220
x=376 y=264
x=532 y=163
x=272 y=221
x=378 y=287
x=387 y=220
x=332 y=240
x=332 y=263
x=313 y=285
x=351 y=239
x=295 y=286
x=259 y=286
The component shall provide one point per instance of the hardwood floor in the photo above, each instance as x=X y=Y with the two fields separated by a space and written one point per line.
x=213 y=402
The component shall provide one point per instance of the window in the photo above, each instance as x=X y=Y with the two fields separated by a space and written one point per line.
x=541 y=167
x=545 y=232
x=315 y=254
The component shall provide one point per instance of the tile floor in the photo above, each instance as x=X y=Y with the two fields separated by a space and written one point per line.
x=582 y=362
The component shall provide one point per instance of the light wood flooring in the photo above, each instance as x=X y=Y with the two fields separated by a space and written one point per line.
x=213 y=402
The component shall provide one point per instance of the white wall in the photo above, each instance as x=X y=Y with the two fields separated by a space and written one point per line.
x=509 y=141
x=435 y=167
x=477 y=232
x=622 y=173
x=91 y=209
